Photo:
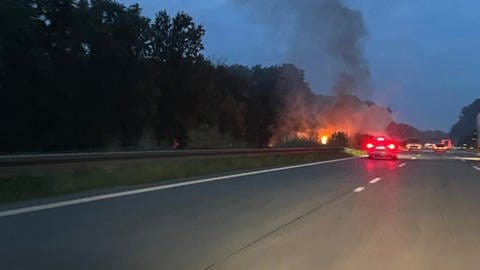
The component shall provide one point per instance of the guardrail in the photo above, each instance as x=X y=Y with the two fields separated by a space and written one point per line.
x=37 y=159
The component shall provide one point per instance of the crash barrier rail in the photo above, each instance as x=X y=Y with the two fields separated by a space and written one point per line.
x=37 y=159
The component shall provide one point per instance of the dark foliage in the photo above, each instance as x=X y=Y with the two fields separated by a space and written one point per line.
x=405 y=132
x=464 y=131
x=95 y=74
x=339 y=139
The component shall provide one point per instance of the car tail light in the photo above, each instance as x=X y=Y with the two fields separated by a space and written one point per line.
x=369 y=145
x=391 y=146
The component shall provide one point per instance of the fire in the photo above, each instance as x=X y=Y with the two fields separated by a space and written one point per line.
x=328 y=115
x=324 y=139
x=320 y=135
x=303 y=135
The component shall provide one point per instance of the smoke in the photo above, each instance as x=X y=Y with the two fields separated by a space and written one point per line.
x=316 y=116
x=325 y=39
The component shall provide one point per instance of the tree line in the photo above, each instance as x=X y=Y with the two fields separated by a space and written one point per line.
x=465 y=130
x=96 y=74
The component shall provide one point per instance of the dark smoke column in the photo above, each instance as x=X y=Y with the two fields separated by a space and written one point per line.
x=325 y=39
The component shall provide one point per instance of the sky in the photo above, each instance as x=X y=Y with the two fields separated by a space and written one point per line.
x=423 y=55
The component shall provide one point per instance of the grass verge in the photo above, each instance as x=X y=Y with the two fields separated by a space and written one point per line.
x=355 y=152
x=29 y=182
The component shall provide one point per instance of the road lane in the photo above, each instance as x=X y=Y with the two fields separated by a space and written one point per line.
x=306 y=218
x=184 y=228
x=105 y=196
x=422 y=216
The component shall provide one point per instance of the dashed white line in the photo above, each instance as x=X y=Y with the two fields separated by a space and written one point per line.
x=401 y=165
x=358 y=189
x=476 y=168
x=375 y=180
x=155 y=188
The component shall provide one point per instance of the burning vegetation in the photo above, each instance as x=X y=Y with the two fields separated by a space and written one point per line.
x=319 y=119
x=326 y=40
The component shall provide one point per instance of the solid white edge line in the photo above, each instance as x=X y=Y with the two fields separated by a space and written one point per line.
x=375 y=180
x=155 y=188
x=401 y=165
x=476 y=168
x=358 y=189
x=469 y=158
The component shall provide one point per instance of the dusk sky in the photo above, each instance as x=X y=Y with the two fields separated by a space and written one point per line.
x=423 y=55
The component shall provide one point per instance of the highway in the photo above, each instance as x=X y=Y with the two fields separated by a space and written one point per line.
x=419 y=212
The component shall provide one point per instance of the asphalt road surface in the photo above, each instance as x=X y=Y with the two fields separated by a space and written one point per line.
x=419 y=212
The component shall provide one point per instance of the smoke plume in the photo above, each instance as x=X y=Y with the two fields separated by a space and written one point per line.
x=325 y=39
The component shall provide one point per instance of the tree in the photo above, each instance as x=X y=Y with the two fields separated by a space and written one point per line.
x=24 y=66
x=181 y=75
x=463 y=131
x=176 y=39
x=96 y=74
x=339 y=139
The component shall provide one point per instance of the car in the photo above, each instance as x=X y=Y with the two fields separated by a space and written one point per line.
x=447 y=142
x=440 y=148
x=428 y=146
x=413 y=146
x=381 y=147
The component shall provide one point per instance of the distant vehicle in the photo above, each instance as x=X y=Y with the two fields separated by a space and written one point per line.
x=440 y=148
x=381 y=147
x=413 y=146
x=428 y=146
x=447 y=142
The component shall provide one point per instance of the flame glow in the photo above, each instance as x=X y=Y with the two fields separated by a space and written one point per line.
x=317 y=120
x=324 y=139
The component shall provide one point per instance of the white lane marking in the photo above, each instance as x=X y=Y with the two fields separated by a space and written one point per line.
x=143 y=190
x=401 y=165
x=358 y=189
x=476 y=168
x=375 y=180
x=414 y=157
x=470 y=158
